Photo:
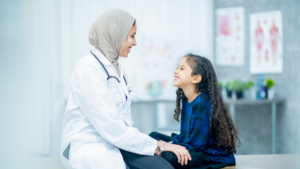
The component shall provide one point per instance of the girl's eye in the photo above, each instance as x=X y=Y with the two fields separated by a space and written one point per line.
x=181 y=69
x=132 y=36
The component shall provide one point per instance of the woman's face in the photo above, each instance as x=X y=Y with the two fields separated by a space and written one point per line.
x=128 y=43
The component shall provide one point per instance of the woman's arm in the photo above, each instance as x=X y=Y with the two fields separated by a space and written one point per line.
x=92 y=95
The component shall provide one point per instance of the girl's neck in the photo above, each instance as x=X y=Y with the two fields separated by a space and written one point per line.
x=190 y=93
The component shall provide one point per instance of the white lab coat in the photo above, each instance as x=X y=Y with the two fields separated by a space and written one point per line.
x=98 y=119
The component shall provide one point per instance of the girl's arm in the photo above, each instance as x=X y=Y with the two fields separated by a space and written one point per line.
x=199 y=130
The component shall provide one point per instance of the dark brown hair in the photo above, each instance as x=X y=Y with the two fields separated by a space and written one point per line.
x=221 y=124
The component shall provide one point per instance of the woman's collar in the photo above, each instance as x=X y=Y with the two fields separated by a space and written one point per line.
x=101 y=57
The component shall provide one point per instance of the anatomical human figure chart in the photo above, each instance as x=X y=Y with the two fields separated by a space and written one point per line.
x=266 y=42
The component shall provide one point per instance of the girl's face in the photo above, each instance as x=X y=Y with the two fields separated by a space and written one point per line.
x=183 y=75
x=128 y=43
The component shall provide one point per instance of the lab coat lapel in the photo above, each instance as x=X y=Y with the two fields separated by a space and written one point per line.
x=124 y=86
x=105 y=61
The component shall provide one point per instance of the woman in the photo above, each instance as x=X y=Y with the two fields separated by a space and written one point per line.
x=97 y=125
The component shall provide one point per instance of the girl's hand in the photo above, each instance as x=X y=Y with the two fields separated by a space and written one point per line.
x=181 y=152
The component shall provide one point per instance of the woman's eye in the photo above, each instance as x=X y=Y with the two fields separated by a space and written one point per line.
x=132 y=36
x=181 y=69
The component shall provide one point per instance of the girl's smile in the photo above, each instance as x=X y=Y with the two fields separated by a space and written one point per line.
x=183 y=74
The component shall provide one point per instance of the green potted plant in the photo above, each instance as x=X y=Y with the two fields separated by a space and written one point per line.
x=249 y=92
x=228 y=87
x=249 y=84
x=238 y=86
x=269 y=82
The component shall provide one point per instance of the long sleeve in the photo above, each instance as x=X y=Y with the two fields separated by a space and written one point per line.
x=194 y=125
x=91 y=93
x=199 y=130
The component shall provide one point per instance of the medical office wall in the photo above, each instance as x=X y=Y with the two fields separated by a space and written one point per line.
x=31 y=88
x=42 y=41
x=254 y=122
x=166 y=30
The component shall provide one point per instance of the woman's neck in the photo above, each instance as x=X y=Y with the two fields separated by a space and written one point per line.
x=190 y=93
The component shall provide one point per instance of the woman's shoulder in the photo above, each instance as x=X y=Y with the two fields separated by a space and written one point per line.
x=88 y=65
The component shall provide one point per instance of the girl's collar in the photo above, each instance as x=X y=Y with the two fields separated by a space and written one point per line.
x=189 y=103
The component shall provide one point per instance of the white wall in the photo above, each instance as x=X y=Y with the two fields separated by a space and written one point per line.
x=186 y=26
x=41 y=42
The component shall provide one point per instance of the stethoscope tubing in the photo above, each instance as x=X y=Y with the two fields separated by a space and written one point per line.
x=108 y=76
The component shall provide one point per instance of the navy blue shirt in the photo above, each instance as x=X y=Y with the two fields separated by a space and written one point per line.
x=194 y=131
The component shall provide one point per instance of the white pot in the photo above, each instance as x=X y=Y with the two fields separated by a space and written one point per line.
x=271 y=93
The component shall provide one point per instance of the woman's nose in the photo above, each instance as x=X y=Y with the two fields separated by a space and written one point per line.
x=134 y=42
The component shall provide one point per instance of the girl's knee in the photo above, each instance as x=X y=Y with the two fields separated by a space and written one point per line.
x=169 y=156
x=153 y=134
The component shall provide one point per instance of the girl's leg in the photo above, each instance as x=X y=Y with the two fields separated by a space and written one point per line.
x=168 y=156
x=158 y=136
x=137 y=161
x=172 y=159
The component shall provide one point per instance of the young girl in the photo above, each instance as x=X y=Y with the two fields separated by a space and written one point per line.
x=207 y=130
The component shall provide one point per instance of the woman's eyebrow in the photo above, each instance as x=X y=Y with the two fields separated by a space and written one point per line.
x=181 y=65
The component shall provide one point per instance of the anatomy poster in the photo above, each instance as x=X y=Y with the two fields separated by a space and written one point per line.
x=230 y=36
x=157 y=56
x=266 y=42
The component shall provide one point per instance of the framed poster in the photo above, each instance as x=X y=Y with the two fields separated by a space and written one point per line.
x=230 y=36
x=266 y=42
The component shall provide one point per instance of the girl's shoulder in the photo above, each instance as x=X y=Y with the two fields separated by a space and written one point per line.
x=202 y=103
x=205 y=98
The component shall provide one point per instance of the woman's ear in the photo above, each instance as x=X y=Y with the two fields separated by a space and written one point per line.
x=196 y=79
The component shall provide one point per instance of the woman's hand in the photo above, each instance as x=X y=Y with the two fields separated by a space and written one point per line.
x=181 y=152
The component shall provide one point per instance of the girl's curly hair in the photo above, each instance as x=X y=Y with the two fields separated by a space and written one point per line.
x=221 y=124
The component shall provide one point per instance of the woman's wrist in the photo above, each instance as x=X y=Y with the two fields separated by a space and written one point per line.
x=160 y=145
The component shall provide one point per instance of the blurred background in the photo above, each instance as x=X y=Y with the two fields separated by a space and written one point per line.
x=253 y=45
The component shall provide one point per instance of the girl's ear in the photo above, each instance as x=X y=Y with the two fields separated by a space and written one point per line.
x=196 y=79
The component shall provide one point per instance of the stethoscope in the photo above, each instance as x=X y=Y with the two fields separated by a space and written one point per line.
x=108 y=76
x=129 y=90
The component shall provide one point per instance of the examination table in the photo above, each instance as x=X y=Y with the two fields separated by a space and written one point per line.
x=276 y=161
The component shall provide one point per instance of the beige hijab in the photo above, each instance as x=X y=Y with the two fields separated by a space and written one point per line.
x=109 y=32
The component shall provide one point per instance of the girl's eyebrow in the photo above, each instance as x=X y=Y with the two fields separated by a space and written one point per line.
x=181 y=65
